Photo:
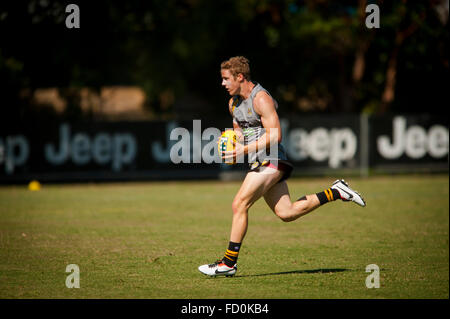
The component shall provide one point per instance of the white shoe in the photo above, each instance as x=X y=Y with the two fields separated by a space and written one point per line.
x=348 y=194
x=218 y=269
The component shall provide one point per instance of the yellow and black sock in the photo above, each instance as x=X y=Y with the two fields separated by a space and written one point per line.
x=328 y=195
x=231 y=255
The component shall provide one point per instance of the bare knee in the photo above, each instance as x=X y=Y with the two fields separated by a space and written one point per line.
x=291 y=213
x=240 y=205
x=284 y=214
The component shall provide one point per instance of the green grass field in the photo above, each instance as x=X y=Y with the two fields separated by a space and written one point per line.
x=146 y=240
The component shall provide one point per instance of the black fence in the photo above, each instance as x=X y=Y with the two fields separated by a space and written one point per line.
x=316 y=145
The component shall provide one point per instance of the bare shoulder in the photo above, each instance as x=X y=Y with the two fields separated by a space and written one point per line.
x=263 y=103
x=230 y=105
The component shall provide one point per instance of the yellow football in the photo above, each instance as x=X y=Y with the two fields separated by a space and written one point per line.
x=226 y=143
x=34 y=185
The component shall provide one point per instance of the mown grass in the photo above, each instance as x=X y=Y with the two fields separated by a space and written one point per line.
x=146 y=240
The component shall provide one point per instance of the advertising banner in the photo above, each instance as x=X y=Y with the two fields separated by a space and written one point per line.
x=188 y=149
x=408 y=140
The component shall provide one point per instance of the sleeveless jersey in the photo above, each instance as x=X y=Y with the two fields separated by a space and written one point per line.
x=250 y=122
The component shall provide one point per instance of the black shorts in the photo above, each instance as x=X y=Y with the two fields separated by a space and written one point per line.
x=282 y=165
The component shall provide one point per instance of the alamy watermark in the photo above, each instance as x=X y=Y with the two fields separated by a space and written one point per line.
x=199 y=146
x=373 y=280
x=373 y=19
x=73 y=280
x=73 y=19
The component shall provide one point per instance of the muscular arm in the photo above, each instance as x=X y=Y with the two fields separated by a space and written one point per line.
x=265 y=107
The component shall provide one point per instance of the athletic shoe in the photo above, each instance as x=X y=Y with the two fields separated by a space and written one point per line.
x=218 y=269
x=348 y=194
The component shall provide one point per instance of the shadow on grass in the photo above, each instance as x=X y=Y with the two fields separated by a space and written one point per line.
x=305 y=271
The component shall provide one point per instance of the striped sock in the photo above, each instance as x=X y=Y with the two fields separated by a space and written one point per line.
x=328 y=195
x=231 y=255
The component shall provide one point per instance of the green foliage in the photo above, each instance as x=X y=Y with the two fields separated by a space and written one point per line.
x=177 y=46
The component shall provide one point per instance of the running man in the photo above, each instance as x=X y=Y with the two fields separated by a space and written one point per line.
x=256 y=123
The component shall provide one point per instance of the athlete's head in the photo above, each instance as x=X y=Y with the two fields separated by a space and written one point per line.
x=236 y=65
x=234 y=71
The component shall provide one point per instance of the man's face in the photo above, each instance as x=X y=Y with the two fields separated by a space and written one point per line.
x=231 y=84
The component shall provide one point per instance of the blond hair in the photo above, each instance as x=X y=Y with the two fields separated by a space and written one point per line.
x=236 y=65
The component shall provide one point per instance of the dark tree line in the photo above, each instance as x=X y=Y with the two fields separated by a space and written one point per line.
x=314 y=56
